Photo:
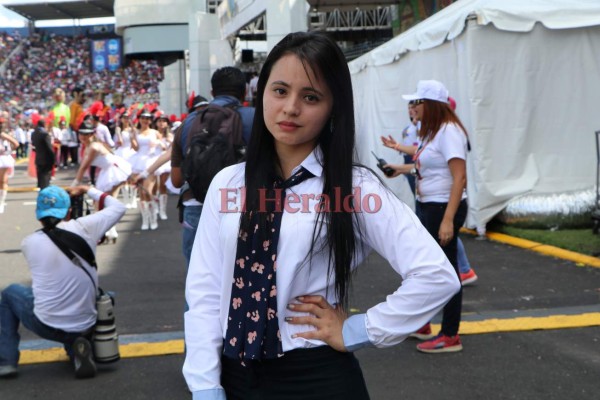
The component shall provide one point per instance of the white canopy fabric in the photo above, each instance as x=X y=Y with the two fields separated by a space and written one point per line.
x=507 y=15
x=527 y=92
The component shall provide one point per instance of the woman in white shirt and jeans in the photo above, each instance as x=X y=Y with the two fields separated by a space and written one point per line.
x=440 y=168
x=268 y=277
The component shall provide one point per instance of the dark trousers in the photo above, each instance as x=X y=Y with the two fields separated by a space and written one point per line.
x=431 y=215
x=64 y=155
x=303 y=374
x=74 y=152
x=22 y=150
x=44 y=172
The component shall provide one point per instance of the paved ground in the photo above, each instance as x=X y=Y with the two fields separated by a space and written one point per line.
x=513 y=347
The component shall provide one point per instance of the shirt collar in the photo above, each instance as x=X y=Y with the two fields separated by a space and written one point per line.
x=312 y=163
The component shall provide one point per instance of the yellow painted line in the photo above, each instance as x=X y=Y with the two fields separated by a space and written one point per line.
x=131 y=350
x=21 y=161
x=492 y=325
x=152 y=349
x=42 y=356
x=22 y=189
x=542 y=248
x=521 y=324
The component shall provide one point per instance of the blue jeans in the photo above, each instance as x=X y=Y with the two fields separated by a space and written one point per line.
x=191 y=217
x=461 y=257
x=16 y=306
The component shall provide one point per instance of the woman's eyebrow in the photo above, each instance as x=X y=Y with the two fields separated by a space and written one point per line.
x=306 y=89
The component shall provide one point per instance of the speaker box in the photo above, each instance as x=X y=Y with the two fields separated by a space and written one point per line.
x=247 y=55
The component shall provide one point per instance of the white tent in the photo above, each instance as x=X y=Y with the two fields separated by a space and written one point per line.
x=526 y=77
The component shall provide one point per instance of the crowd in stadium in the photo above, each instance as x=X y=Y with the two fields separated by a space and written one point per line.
x=47 y=61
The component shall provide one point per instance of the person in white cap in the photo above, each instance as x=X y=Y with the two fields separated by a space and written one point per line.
x=409 y=146
x=440 y=167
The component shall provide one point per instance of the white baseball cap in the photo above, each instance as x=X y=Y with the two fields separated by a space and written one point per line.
x=430 y=90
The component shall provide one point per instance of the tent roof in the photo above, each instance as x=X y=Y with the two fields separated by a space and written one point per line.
x=37 y=10
x=508 y=15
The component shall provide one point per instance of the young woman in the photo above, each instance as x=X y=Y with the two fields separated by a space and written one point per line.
x=440 y=168
x=123 y=134
x=7 y=162
x=144 y=141
x=269 y=276
x=114 y=171
x=162 y=174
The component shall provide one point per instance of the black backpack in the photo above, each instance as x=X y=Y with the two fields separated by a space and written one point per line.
x=213 y=142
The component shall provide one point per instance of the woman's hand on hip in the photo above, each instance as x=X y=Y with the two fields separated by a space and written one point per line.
x=327 y=319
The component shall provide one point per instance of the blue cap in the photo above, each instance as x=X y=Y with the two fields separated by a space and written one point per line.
x=52 y=201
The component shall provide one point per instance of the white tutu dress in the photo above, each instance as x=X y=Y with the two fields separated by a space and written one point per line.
x=125 y=151
x=145 y=155
x=114 y=170
x=166 y=167
x=6 y=159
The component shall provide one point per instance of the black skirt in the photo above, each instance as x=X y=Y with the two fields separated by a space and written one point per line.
x=320 y=373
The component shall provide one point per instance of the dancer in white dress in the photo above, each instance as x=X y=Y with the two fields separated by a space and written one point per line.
x=114 y=170
x=7 y=162
x=144 y=141
x=123 y=134
x=166 y=137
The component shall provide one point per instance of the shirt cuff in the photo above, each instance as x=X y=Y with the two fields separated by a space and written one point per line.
x=94 y=193
x=354 y=333
x=209 y=394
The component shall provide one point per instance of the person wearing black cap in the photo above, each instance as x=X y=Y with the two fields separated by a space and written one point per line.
x=114 y=170
x=60 y=305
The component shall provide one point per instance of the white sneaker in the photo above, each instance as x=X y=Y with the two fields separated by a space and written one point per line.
x=1 y=208
x=8 y=371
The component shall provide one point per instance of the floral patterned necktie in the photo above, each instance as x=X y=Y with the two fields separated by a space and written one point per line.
x=253 y=326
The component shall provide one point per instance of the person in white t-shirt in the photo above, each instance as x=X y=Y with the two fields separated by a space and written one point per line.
x=440 y=167
x=409 y=146
x=60 y=305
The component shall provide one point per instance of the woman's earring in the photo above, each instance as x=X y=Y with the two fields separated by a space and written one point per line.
x=331 y=125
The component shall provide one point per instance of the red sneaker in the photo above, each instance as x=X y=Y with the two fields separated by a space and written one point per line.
x=424 y=333
x=468 y=278
x=441 y=344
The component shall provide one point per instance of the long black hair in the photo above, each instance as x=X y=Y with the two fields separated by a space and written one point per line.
x=336 y=140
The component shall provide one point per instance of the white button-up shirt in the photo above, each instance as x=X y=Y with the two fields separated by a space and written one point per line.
x=386 y=225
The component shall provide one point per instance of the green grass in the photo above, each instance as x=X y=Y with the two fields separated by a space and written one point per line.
x=582 y=241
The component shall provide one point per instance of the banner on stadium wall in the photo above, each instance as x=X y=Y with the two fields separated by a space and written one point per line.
x=106 y=54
